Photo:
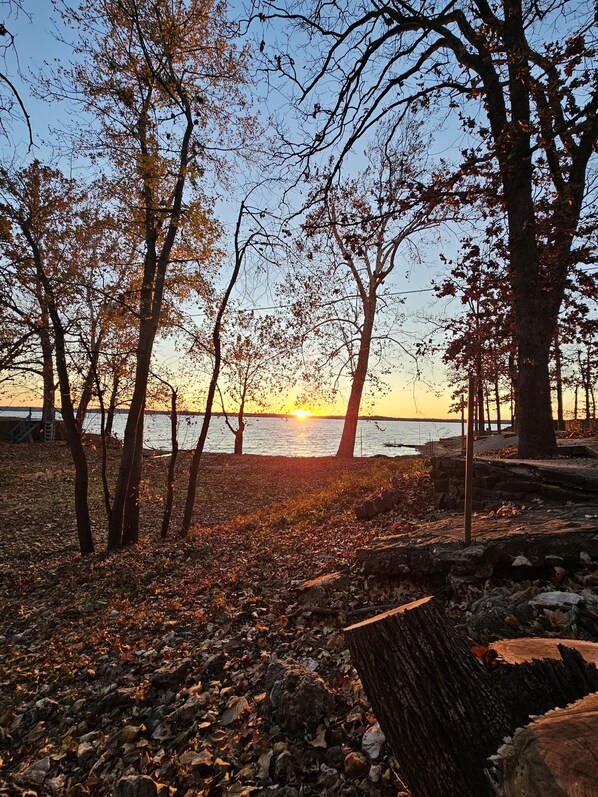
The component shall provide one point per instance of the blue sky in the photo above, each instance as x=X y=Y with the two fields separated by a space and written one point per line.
x=37 y=45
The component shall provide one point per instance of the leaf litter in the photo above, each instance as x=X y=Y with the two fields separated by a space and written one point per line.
x=150 y=672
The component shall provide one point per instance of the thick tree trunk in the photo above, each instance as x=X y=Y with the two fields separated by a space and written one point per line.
x=443 y=711
x=346 y=446
x=129 y=470
x=48 y=380
x=239 y=439
x=536 y=428
x=133 y=502
x=555 y=756
x=435 y=702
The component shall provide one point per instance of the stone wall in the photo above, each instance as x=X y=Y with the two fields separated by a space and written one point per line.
x=497 y=481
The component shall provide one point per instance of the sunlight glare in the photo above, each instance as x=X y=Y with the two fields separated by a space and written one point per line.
x=300 y=413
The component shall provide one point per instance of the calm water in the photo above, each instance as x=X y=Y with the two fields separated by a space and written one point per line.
x=291 y=437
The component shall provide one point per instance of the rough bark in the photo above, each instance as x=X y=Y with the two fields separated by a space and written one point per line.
x=346 y=445
x=170 y=478
x=48 y=380
x=66 y=405
x=558 y=382
x=445 y=713
x=240 y=251
x=435 y=702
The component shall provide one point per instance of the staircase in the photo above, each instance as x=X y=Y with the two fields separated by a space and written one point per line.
x=24 y=430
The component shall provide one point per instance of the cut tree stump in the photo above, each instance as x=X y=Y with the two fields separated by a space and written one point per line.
x=434 y=700
x=525 y=649
x=554 y=756
x=443 y=712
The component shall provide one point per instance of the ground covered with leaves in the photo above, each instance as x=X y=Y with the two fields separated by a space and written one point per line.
x=213 y=666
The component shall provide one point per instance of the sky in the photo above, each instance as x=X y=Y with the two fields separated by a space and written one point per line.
x=36 y=43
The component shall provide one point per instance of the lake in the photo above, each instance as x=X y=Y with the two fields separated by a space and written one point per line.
x=290 y=437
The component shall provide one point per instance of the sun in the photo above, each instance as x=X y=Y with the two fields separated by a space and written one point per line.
x=301 y=413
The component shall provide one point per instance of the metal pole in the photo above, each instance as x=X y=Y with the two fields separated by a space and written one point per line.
x=469 y=461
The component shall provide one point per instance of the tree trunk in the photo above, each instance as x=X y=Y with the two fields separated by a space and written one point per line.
x=170 y=478
x=49 y=383
x=66 y=405
x=203 y=434
x=435 y=702
x=559 y=382
x=497 y=401
x=129 y=470
x=554 y=756
x=88 y=384
x=346 y=446
x=133 y=502
x=239 y=438
x=112 y=406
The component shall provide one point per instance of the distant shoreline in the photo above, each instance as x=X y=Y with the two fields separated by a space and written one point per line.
x=263 y=415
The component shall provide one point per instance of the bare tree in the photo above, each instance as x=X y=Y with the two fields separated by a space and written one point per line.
x=540 y=99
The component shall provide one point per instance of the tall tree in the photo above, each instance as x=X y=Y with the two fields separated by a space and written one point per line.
x=359 y=233
x=41 y=208
x=163 y=78
x=529 y=69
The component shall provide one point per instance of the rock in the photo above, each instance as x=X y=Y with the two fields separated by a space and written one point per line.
x=137 y=786
x=85 y=751
x=296 y=698
x=557 y=599
x=383 y=502
x=373 y=740
x=214 y=666
x=36 y=773
x=375 y=773
x=171 y=676
x=334 y=756
x=521 y=561
x=355 y=765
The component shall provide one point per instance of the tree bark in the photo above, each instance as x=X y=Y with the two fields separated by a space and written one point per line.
x=170 y=478
x=112 y=405
x=66 y=404
x=49 y=383
x=346 y=445
x=559 y=382
x=239 y=437
x=435 y=702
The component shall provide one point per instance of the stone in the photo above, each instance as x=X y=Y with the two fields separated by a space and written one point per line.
x=557 y=599
x=296 y=698
x=137 y=786
x=36 y=773
x=214 y=666
x=85 y=752
x=373 y=740
x=355 y=765
x=170 y=676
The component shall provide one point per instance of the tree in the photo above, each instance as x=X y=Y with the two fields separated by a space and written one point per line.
x=257 y=365
x=357 y=233
x=161 y=78
x=480 y=340
x=540 y=98
x=40 y=206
